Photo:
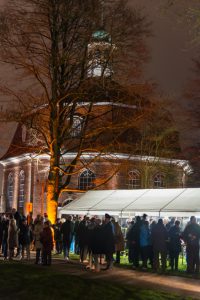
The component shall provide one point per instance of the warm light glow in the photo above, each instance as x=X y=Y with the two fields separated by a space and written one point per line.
x=29 y=207
x=52 y=205
x=52 y=210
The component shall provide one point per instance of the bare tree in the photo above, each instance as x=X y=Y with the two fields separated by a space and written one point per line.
x=70 y=54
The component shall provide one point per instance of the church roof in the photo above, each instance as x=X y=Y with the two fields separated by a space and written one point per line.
x=18 y=146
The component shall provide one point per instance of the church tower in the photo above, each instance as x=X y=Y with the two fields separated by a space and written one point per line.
x=100 y=51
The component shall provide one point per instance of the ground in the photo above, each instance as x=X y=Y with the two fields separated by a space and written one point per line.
x=24 y=280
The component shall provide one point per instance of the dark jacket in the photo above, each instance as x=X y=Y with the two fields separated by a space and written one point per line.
x=174 y=239
x=191 y=234
x=82 y=234
x=67 y=230
x=46 y=238
x=97 y=240
x=134 y=235
x=159 y=237
x=108 y=242
x=24 y=235
x=5 y=225
x=57 y=232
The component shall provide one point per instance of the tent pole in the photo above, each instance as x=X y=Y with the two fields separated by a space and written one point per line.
x=121 y=218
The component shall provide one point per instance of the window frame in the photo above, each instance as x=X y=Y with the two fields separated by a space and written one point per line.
x=21 y=196
x=159 y=181
x=76 y=129
x=87 y=180
x=134 y=179
x=10 y=189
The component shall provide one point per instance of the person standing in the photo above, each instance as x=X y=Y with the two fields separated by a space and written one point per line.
x=5 y=225
x=25 y=238
x=38 y=228
x=77 y=221
x=159 y=237
x=46 y=239
x=96 y=244
x=67 y=234
x=12 y=237
x=129 y=241
x=191 y=236
x=174 y=245
x=82 y=236
x=135 y=241
x=119 y=240
x=108 y=242
x=145 y=244
x=58 y=236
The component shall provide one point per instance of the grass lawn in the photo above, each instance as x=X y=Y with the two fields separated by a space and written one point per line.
x=18 y=281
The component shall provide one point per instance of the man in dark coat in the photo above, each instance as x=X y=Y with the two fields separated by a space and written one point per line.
x=159 y=241
x=96 y=244
x=108 y=242
x=129 y=241
x=66 y=230
x=25 y=238
x=58 y=236
x=191 y=237
x=82 y=237
x=174 y=245
x=134 y=237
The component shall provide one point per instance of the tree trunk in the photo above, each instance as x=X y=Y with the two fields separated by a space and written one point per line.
x=52 y=195
x=52 y=186
x=52 y=203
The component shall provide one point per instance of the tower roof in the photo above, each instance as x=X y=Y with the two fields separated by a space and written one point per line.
x=101 y=36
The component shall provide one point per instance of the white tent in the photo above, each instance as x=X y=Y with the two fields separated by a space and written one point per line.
x=155 y=202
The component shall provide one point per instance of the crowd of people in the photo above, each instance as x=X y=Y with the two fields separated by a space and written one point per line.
x=147 y=242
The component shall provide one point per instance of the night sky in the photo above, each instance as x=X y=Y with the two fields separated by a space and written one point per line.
x=171 y=66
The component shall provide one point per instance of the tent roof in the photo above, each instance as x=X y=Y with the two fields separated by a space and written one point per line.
x=179 y=202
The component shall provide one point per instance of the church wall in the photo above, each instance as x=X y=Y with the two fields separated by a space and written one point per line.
x=15 y=169
x=36 y=172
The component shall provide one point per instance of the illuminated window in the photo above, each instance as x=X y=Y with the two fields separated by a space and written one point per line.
x=10 y=190
x=158 y=181
x=134 y=179
x=76 y=126
x=21 y=189
x=86 y=180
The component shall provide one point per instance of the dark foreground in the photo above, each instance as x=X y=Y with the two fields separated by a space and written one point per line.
x=27 y=281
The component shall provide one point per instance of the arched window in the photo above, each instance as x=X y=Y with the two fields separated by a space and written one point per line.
x=86 y=180
x=10 y=190
x=76 y=126
x=21 y=189
x=134 y=179
x=158 y=181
